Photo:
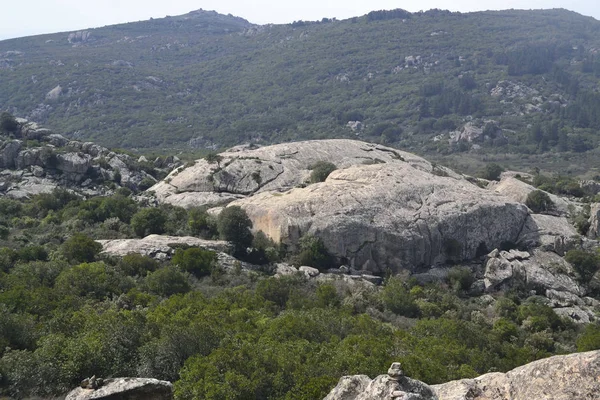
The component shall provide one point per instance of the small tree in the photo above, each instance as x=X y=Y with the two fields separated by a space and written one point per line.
x=321 y=170
x=148 y=221
x=586 y=264
x=167 y=281
x=313 y=253
x=195 y=260
x=80 y=248
x=8 y=123
x=539 y=201
x=234 y=226
x=491 y=172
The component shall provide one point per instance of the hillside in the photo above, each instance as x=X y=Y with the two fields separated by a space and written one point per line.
x=441 y=83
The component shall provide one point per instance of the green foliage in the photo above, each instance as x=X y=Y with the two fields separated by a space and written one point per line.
x=491 y=172
x=234 y=226
x=136 y=264
x=8 y=123
x=397 y=298
x=148 y=221
x=590 y=338
x=167 y=281
x=461 y=278
x=201 y=224
x=196 y=261
x=320 y=171
x=94 y=280
x=586 y=264
x=539 y=201
x=80 y=248
x=313 y=253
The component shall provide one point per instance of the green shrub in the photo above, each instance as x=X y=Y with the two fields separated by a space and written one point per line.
x=491 y=172
x=148 y=221
x=586 y=264
x=137 y=264
x=590 y=338
x=167 y=281
x=461 y=278
x=196 y=261
x=397 y=298
x=539 y=201
x=202 y=224
x=313 y=253
x=8 y=123
x=234 y=226
x=80 y=248
x=321 y=170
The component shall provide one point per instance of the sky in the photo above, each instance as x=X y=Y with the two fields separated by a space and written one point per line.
x=31 y=17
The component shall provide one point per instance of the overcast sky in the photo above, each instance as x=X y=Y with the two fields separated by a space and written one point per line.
x=31 y=17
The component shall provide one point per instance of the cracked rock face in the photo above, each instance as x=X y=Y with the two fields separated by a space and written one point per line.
x=382 y=208
x=569 y=377
x=244 y=172
x=390 y=215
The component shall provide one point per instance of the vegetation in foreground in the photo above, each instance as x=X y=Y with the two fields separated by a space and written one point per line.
x=67 y=312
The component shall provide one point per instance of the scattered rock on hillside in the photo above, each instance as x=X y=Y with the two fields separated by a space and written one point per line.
x=518 y=190
x=125 y=389
x=569 y=377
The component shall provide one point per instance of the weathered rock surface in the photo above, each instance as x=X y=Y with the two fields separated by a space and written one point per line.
x=394 y=385
x=126 y=389
x=551 y=233
x=569 y=377
x=594 y=230
x=242 y=172
x=54 y=161
x=518 y=190
x=390 y=215
x=157 y=246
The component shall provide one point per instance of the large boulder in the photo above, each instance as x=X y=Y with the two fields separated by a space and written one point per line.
x=125 y=389
x=242 y=172
x=569 y=377
x=157 y=246
x=381 y=209
x=390 y=216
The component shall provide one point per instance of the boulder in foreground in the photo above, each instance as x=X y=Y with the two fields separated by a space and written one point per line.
x=126 y=389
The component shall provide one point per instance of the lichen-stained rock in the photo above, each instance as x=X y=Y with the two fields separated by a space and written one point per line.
x=569 y=377
x=125 y=389
x=242 y=172
x=391 y=215
x=550 y=233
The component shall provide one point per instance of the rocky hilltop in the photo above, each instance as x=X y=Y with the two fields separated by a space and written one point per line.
x=573 y=376
x=35 y=160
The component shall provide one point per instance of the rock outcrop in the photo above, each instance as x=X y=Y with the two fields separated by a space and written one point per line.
x=125 y=389
x=382 y=209
x=390 y=216
x=568 y=377
x=574 y=376
x=35 y=160
x=394 y=385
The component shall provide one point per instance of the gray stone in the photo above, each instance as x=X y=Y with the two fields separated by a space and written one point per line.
x=309 y=271
x=569 y=377
x=154 y=244
x=125 y=389
x=594 y=230
x=384 y=387
x=9 y=152
x=283 y=269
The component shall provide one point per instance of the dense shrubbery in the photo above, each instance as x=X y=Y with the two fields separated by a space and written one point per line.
x=68 y=312
x=539 y=201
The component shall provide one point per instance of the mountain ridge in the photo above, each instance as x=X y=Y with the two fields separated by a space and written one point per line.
x=401 y=78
